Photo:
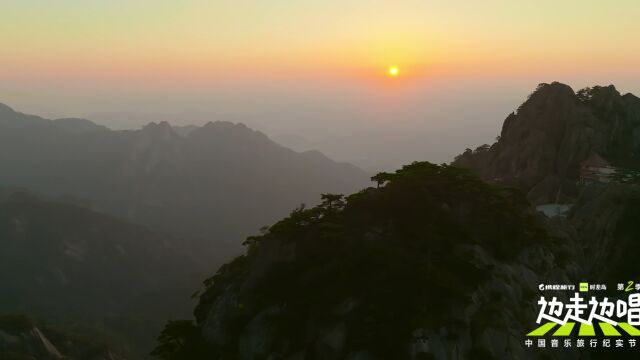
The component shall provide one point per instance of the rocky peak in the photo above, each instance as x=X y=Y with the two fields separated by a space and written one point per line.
x=543 y=143
x=546 y=110
x=156 y=136
x=224 y=129
x=599 y=94
x=555 y=90
x=225 y=134
x=156 y=146
x=162 y=130
x=223 y=126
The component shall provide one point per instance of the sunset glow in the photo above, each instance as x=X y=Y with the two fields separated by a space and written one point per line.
x=198 y=38
x=95 y=54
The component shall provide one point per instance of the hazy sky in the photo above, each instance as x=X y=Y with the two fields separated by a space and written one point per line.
x=313 y=73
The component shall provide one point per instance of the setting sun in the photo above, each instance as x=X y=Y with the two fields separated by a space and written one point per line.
x=393 y=71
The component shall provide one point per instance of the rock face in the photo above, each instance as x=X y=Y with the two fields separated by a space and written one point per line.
x=540 y=151
x=543 y=143
x=603 y=224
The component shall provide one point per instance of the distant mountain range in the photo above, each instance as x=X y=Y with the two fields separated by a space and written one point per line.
x=219 y=182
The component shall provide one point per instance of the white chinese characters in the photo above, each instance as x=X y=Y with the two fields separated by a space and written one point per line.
x=585 y=312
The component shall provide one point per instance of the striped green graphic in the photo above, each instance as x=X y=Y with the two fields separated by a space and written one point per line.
x=608 y=329
x=542 y=329
x=629 y=329
x=586 y=330
x=564 y=330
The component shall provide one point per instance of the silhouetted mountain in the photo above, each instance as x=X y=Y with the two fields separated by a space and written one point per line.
x=67 y=264
x=544 y=142
x=435 y=262
x=375 y=275
x=218 y=182
x=541 y=151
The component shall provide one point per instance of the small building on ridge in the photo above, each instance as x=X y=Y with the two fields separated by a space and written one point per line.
x=596 y=169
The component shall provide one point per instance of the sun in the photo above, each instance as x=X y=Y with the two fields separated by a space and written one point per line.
x=394 y=71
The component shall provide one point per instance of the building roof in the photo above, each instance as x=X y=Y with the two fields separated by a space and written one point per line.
x=595 y=160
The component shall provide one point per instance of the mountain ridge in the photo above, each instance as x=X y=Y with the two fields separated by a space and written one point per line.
x=216 y=183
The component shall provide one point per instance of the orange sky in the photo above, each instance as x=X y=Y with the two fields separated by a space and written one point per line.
x=244 y=38
x=318 y=69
